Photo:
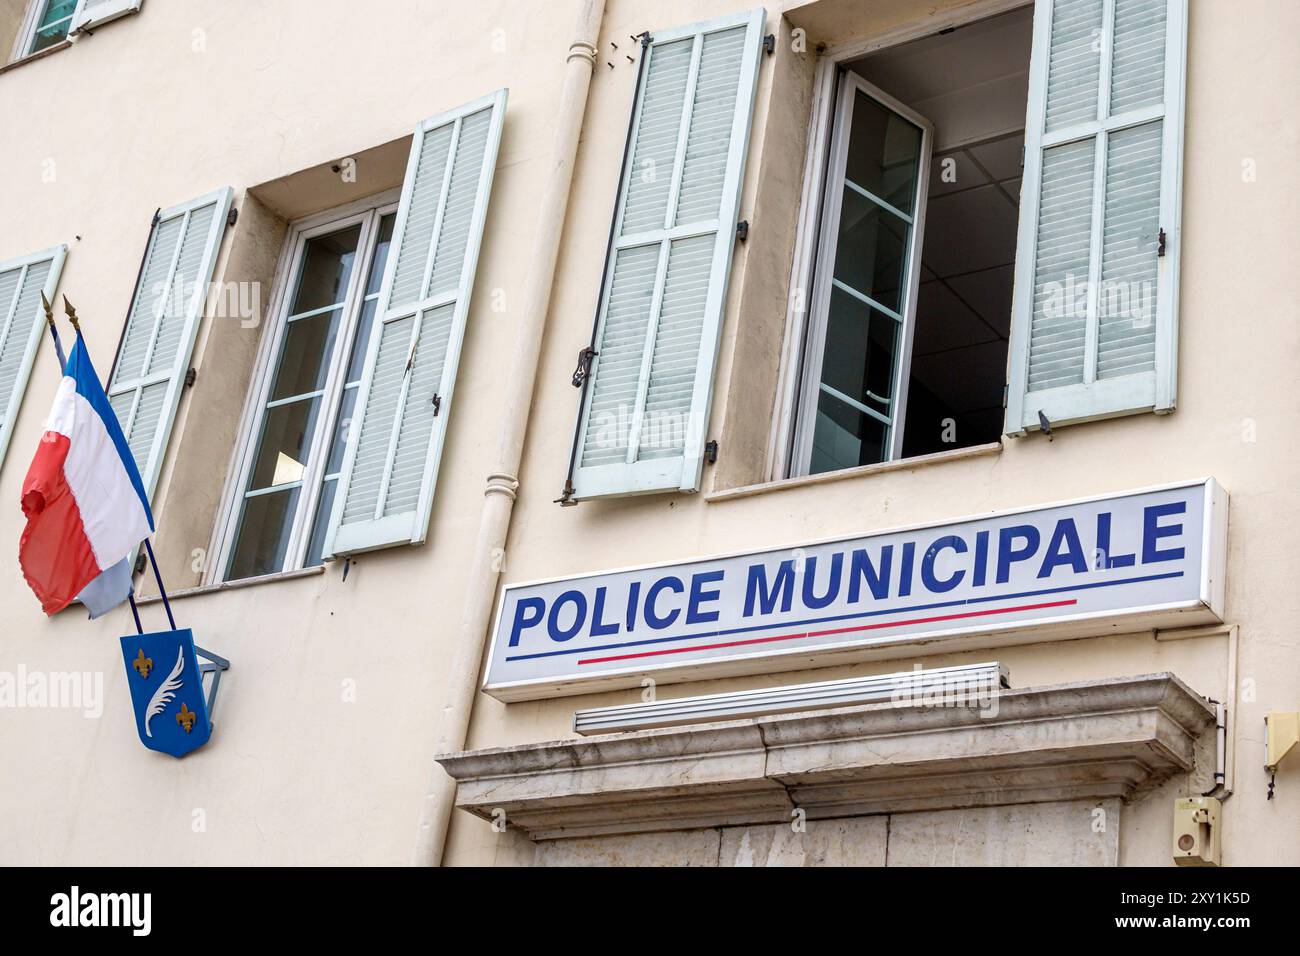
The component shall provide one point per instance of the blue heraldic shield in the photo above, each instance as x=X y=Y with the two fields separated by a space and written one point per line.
x=162 y=671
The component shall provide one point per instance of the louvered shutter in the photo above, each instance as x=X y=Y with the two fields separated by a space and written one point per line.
x=1094 y=331
x=154 y=355
x=646 y=402
x=391 y=466
x=22 y=323
x=92 y=13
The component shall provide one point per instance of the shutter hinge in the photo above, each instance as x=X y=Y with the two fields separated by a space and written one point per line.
x=191 y=376
x=711 y=452
x=232 y=217
x=139 y=563
x=742 y=230
x=437 y=404
x=157 y=216
x=769 y=44
x=1044 y=424
x=584 y=366
x=1160 y=247
x=644 y=38
x=566 y=496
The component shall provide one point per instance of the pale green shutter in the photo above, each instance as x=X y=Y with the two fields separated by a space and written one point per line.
x=154 y=356
x=22 y=324
x=646 y=404
x=1094 y=331
x=391 y=465
x=92 y=13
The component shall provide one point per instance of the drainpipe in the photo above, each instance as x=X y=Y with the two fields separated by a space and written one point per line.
x=503 y=483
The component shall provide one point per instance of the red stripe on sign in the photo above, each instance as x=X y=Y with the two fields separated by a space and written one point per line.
x=838 y=630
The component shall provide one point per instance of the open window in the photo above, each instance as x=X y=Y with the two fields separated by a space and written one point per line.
x=908 y=320
x=997 y=241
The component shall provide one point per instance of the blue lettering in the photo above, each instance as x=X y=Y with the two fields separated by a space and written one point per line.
x=905 y=572
x=979 y=574
x=1007 y=555
x=832 y=585
x=861 y=569
x=1064 y=548
x=579 y=602
x=698 y=595
x=756 y=588
x=932 y=583
x=521 y=622
x=652 y=596
x=598 y=626
x=1108 y=560
x=1152 y=532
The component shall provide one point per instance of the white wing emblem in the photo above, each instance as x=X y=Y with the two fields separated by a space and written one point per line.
x=164 y=694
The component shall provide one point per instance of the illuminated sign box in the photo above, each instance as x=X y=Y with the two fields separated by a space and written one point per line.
x=1144 y=559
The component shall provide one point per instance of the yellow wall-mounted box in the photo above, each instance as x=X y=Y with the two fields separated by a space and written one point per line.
x=1197 y=835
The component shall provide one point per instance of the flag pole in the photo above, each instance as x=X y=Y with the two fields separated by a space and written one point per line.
x=54 y=332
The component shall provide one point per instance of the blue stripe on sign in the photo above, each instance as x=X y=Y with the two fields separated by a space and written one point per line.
x=848 y=617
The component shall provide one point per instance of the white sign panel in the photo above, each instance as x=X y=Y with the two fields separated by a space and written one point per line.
x=1144 y=559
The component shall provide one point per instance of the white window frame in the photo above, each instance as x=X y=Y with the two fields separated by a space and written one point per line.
x=851 y=83
x=781 y=437
x=31 y=20
x=9 y=315
x=1095 y=398
x=368 y=213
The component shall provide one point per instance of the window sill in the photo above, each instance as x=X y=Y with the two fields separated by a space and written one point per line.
x=234 y=585
x=38 y=55
x=902 y=464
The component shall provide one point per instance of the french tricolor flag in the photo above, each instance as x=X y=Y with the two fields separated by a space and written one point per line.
x=84 y=501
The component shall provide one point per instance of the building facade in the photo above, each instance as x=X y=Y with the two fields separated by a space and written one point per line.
x=491 y=365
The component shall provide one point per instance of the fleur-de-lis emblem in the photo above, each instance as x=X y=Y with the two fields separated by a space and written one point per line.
x=186 y=718
x=142 y=664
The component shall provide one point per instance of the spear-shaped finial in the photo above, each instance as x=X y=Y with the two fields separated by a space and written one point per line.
x=71 y=314
x=49 y=310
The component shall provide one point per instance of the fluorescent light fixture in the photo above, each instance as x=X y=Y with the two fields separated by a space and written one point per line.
x=946 y=686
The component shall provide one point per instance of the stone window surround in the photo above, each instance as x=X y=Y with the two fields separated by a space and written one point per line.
x=1091 y=740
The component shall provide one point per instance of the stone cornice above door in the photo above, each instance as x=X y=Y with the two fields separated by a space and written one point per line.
x=1090 y=740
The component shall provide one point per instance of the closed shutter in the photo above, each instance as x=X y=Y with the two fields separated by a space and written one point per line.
x=1094 y=331
x=154 y=355
x=646 y=400
x=92 y=13
x=22 y=322
x=391 y=466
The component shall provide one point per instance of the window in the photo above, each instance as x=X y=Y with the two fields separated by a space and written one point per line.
x=998 y=230
x=22 y=326
x=308 y=392
x=51 y=25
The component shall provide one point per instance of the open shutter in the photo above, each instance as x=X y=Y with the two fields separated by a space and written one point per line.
x=154 y=355
x=1094 y=330
x=92 y=13
x=646 y=402
x=22 y=322
x=386 y=487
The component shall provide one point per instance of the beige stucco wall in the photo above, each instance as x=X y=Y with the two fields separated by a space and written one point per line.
x=181 y=99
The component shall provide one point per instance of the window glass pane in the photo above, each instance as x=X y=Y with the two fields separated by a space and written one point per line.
x=883 y=150
x=53 y=25
x=342 y=424
x=326 y=268
x=304 y=356
x=321 y=523
x=282 y=451
x=376 y=278
x=844 y=437
x=860 y=352
x=263 y=534
x=871 y=255
x=361 y=340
